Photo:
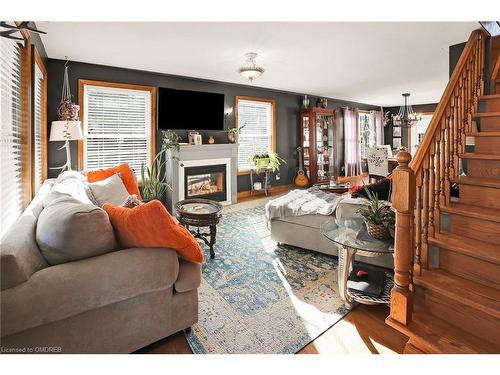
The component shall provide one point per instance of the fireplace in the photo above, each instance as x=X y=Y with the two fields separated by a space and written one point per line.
x=208 y=181
x=203 y=171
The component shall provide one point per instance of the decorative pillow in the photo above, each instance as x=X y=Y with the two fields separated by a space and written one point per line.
x=72 y=183
x=68 y=230
x=131 y=201
x=150 y=225
x=126 y=173
x=110 y=190
x=382 y=188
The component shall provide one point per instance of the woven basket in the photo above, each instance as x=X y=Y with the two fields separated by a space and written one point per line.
x=377 y=231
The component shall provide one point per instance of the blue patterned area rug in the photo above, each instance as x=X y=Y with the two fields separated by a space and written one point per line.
x=256 y=297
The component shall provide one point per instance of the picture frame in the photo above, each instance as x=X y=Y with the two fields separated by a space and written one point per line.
x=396 y=131
x=396 y=143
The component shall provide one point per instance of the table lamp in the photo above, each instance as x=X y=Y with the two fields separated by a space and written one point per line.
x=65 y=130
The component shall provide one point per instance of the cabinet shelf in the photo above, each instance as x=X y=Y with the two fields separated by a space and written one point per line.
x=318 y=139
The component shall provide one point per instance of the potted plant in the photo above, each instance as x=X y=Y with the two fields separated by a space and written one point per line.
x=154 y=185
x=379 y=216
x=233 y=133
x=266 y=160
x=153 y=178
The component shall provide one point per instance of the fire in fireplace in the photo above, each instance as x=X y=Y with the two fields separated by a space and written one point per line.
x=206 y=182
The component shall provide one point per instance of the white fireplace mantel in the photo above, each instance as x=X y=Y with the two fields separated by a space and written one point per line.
x=201 y=155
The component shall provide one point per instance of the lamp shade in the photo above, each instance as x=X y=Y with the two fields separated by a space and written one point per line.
x=65 y=130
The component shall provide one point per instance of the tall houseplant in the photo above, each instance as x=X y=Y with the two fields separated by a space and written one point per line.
x=154 y=180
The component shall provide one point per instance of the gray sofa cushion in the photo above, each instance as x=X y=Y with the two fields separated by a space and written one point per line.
x=312 y=221
x=66 y=290
x=69 y=230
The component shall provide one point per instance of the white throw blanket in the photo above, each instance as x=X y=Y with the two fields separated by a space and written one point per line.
x=302 y=202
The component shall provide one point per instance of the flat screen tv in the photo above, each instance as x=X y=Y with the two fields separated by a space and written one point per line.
x=190 y=110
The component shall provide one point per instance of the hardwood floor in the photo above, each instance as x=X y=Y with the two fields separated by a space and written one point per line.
x=363 y=330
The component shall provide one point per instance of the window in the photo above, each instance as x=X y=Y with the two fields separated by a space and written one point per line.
x=258 y=117
x=39 y=123
x=367 y=134
x=119 y=125
x=14 y=154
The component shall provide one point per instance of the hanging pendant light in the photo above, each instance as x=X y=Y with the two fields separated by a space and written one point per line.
x=406 y=116
x=251 y=71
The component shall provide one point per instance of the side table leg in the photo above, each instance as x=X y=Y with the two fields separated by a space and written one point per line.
x=213 y=233
x=345 y=260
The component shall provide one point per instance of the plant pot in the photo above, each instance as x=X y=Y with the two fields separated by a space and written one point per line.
x=378 y=231
x=232 y=138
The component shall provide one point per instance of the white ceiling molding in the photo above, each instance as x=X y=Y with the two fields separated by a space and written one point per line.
x=367 y=62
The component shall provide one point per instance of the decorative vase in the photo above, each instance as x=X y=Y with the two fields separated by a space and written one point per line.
x=378 y=231
x=324 y=103
x=232 y=137
x=305 y=102
x=211 y=139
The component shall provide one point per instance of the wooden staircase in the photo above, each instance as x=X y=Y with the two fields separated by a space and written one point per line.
x=446 y=297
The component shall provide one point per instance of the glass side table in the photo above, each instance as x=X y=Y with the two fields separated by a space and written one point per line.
x=352 y=238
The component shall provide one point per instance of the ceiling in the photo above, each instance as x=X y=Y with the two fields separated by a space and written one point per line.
x=367 y=62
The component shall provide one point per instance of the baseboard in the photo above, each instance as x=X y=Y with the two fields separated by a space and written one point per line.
x=274 y=190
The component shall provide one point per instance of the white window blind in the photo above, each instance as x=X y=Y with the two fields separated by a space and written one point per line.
x=256 y=136
x=12 y=153
x=39 y=101
x=367 y=135
x=117 y=126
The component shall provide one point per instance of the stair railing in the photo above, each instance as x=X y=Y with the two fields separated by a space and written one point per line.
x=422 y=186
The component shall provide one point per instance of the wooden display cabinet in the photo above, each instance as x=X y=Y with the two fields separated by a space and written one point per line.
x=318 y=141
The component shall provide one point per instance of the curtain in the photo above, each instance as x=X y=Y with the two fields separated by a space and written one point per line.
x=352 y=158
x=376 y=123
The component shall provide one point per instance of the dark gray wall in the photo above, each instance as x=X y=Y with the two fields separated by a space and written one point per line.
x=454 y=55
x=287 y=107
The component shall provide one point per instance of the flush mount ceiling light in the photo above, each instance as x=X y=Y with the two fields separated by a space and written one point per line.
x=251 y=70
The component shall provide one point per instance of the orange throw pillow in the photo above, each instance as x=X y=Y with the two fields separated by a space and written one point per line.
x=150 y=225
x=126 y=173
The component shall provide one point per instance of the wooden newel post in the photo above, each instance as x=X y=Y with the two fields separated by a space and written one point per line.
x=403 y=200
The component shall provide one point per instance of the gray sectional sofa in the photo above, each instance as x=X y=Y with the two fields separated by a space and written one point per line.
x=305 y=232
x=116 y=302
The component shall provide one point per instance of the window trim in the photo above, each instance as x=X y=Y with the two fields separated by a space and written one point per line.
x=273 y=123
x=86 y=82
x=37 y=60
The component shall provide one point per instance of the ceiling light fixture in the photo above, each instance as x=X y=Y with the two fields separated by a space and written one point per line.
x=251 y=70
x=406 y=116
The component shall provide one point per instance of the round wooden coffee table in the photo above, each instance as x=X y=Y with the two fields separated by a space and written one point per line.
x=200 y=213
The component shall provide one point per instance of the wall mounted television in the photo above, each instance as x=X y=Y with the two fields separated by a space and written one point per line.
x=190 y=110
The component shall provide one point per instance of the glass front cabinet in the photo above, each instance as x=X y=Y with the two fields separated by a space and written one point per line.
x=317 y=132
